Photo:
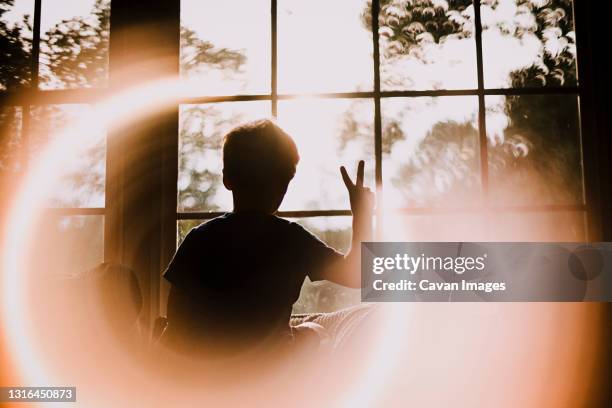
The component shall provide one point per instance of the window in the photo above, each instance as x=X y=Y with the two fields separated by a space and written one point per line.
x=53 y=46
x=466 y=112
x=454 y=127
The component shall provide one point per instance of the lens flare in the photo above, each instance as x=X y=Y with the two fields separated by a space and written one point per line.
x=440 y=354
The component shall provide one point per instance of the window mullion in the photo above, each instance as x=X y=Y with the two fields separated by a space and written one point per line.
x=482 y=125
x=377 y=118
x=274 y=59
x=34 y=62
x=24 y=143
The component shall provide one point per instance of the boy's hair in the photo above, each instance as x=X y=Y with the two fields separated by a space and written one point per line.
x=256 y=153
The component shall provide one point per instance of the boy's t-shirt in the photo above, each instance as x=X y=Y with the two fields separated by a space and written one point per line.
x=243 y=272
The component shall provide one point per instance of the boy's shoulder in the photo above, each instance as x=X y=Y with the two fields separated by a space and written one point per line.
x=231 y=221
x=212 y=223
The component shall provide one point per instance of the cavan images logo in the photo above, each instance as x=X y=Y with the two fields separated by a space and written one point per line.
x=508 y=272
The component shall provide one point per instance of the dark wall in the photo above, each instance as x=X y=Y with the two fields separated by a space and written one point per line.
x=594 y=31
x=595 y=26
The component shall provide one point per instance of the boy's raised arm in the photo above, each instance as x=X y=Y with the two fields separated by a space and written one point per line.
x=347 y=271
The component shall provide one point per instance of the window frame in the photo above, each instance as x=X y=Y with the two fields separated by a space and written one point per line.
x=481 y=92
x=30 y=96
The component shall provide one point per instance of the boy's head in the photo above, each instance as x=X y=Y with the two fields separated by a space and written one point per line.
x=259 y=161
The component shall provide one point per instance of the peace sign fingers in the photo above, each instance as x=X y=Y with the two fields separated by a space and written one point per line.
x=361 y=198
x=347 y=179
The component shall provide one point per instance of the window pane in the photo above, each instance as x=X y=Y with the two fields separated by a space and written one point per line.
x=328 y=133
x=225 y=46
x=81 y=181
x=74 y=44
x=430 y=152
x=334 y=231
x=15 y=43
x=324 y=46
x=540 y=227
x=201 y=132
x=451 y=227
x=534 y=150
x=10 y=141
x=427 y=45
x=68 y=245
x=498 y=226
x=528 y=43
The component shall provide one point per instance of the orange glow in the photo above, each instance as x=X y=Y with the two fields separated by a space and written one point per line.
x=424 y=354
x=57 y=332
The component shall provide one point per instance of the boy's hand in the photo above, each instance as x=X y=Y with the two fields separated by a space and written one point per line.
x=362 y=198
x=347 y=271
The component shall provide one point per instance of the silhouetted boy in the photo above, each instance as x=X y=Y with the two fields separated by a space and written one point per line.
x=235 y=278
